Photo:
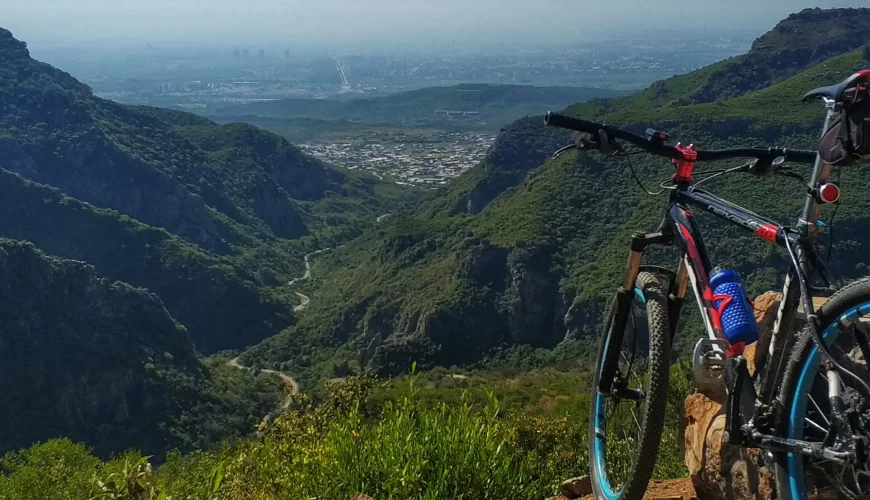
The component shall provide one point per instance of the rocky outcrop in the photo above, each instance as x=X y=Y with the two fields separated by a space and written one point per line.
x=503 y=296
x=576 y=487
x=794 y=44
x=536 y=304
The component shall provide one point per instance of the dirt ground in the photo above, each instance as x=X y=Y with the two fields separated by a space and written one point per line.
x=672 y=489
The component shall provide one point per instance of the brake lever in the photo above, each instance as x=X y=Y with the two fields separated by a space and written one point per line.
x=764 y=168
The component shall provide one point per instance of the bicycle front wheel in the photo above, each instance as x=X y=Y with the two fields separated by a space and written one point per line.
x=625 y=427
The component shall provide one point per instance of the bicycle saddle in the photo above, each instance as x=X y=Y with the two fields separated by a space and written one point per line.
x=838 y=91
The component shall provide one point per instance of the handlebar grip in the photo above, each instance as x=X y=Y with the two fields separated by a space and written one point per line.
x=800 y=156
x=566 y=122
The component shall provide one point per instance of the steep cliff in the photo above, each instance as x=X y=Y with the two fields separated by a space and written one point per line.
x=100 y=362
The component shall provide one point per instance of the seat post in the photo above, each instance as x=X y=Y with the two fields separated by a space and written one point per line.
x=821 y=173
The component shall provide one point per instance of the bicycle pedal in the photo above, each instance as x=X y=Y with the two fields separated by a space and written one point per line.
x=708 y=362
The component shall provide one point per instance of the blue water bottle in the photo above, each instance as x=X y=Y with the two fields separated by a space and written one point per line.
x=730 y=299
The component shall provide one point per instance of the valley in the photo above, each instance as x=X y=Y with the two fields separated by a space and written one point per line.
x=407 y=276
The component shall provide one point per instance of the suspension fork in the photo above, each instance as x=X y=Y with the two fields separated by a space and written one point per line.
x=677 y=297
x=615 y=330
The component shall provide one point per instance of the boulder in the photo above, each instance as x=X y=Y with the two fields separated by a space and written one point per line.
x=577 y=487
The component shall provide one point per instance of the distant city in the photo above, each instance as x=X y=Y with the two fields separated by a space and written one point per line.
x=428 y=164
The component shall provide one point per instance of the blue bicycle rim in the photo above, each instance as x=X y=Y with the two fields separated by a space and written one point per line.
x=799 y=403
x=599 y=402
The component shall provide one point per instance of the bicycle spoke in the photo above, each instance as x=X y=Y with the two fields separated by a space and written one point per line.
x=816 y=426
x=636 y=421
x=813 y=401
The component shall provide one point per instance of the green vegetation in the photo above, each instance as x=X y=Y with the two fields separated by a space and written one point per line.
x=491 y=438
x=222 y=305
x=110 y=366
x=493 y=105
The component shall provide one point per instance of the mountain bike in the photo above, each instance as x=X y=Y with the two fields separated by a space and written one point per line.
x=807 y=406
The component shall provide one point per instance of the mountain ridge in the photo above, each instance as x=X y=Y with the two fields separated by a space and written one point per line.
x=212 y=219
x=492 y=105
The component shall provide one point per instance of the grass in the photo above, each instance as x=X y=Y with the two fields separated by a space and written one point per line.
x=405 y=447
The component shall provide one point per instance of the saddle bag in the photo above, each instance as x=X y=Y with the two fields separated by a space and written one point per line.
x=847 y=139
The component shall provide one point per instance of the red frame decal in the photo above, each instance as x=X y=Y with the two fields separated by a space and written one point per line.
x=767 y=232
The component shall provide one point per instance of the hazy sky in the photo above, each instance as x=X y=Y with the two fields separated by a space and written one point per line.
x=343 y=21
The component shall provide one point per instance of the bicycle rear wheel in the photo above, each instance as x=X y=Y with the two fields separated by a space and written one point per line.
x=625 y=426
x=845 y=328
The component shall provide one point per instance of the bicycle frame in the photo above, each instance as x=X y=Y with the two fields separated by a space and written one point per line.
x=680 y=229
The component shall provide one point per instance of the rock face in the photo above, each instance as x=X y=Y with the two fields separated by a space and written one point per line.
x=505 y=295
x=718 y=470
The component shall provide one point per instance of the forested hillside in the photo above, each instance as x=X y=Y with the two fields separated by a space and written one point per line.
x=511 y=257
x=196 y=212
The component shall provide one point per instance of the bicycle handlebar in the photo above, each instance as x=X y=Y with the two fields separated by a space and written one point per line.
x=660 y=149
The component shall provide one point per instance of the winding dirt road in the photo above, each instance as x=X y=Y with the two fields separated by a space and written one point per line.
x=304 y=300
x=287 y=379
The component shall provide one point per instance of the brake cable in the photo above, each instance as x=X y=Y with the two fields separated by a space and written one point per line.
x=808 y=306
x=717 y=173
x=637 y=179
